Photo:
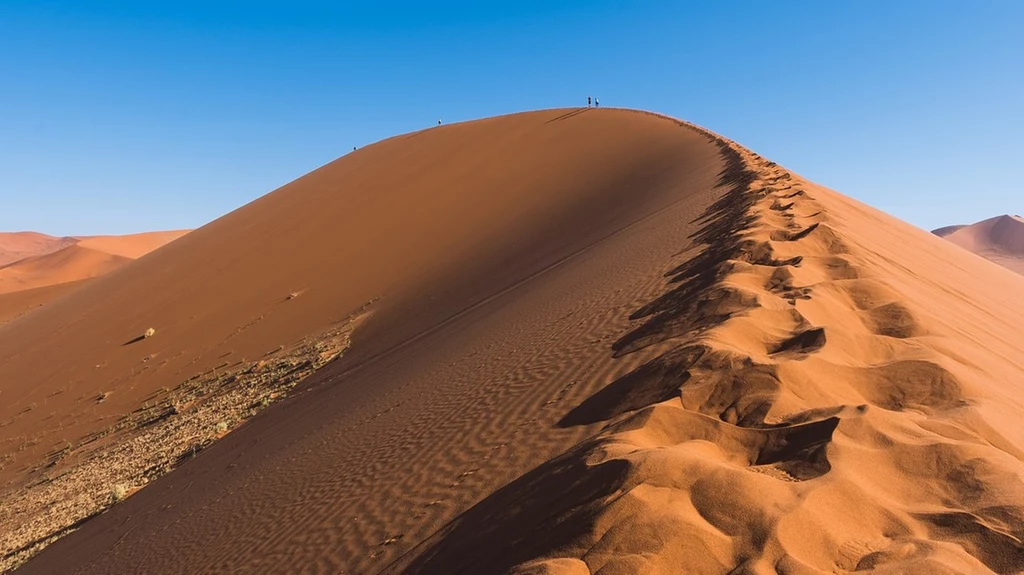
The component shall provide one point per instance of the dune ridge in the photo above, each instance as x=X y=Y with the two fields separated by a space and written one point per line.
x=809 y=418
x=816 y=387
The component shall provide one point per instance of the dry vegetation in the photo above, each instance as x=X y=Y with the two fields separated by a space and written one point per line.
x=174 y=426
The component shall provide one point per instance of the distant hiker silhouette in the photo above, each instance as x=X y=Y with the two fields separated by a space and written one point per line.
x=439 y=121
x=597 y=103
x=588 y=101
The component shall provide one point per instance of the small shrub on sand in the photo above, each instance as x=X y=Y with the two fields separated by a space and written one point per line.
x=118 y=492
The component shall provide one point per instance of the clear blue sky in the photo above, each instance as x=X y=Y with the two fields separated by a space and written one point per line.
x=118 y=117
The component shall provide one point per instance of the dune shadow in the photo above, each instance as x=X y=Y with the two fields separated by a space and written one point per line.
x=653 y=382
x=555 y=505
x=695 y=304
x=549 y=507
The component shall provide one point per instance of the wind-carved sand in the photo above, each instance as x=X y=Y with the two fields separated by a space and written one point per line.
x=668 y=376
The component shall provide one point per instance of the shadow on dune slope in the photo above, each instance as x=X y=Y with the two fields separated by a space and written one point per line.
x=733 y=449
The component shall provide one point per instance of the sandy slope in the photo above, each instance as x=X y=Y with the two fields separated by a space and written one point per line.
x=813 y=386
x=999 y=239
x=17 y=304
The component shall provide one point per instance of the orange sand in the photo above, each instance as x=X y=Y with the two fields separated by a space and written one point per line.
x=17 y=304
x=132 y=246
x=592 y=341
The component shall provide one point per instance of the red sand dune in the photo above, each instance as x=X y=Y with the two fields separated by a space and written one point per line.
x=19 y=245
x=584 y=341
x=1000 y=239
x=68 y=264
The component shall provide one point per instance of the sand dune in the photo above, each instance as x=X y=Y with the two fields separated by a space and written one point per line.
x=999 y=239
x=68 y=264
x=20 y=245
x=131 y=246
x=571 y=341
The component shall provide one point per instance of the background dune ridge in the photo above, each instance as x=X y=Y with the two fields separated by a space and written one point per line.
x=30 y=260
x=65 y=265
x=999 y=239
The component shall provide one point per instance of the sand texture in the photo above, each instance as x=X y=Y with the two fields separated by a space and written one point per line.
x=560 y=342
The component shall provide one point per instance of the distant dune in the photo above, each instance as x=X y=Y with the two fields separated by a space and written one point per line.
x=68 y=264
x=40 y=261
x=561 y=342
x=999 y=239
x=20 y=245
x=132 y=246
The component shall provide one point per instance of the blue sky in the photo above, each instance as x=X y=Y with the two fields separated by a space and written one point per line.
x=118 y=117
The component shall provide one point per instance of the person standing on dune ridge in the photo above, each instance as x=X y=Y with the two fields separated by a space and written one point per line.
x=588 y=101
x=597 y=103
